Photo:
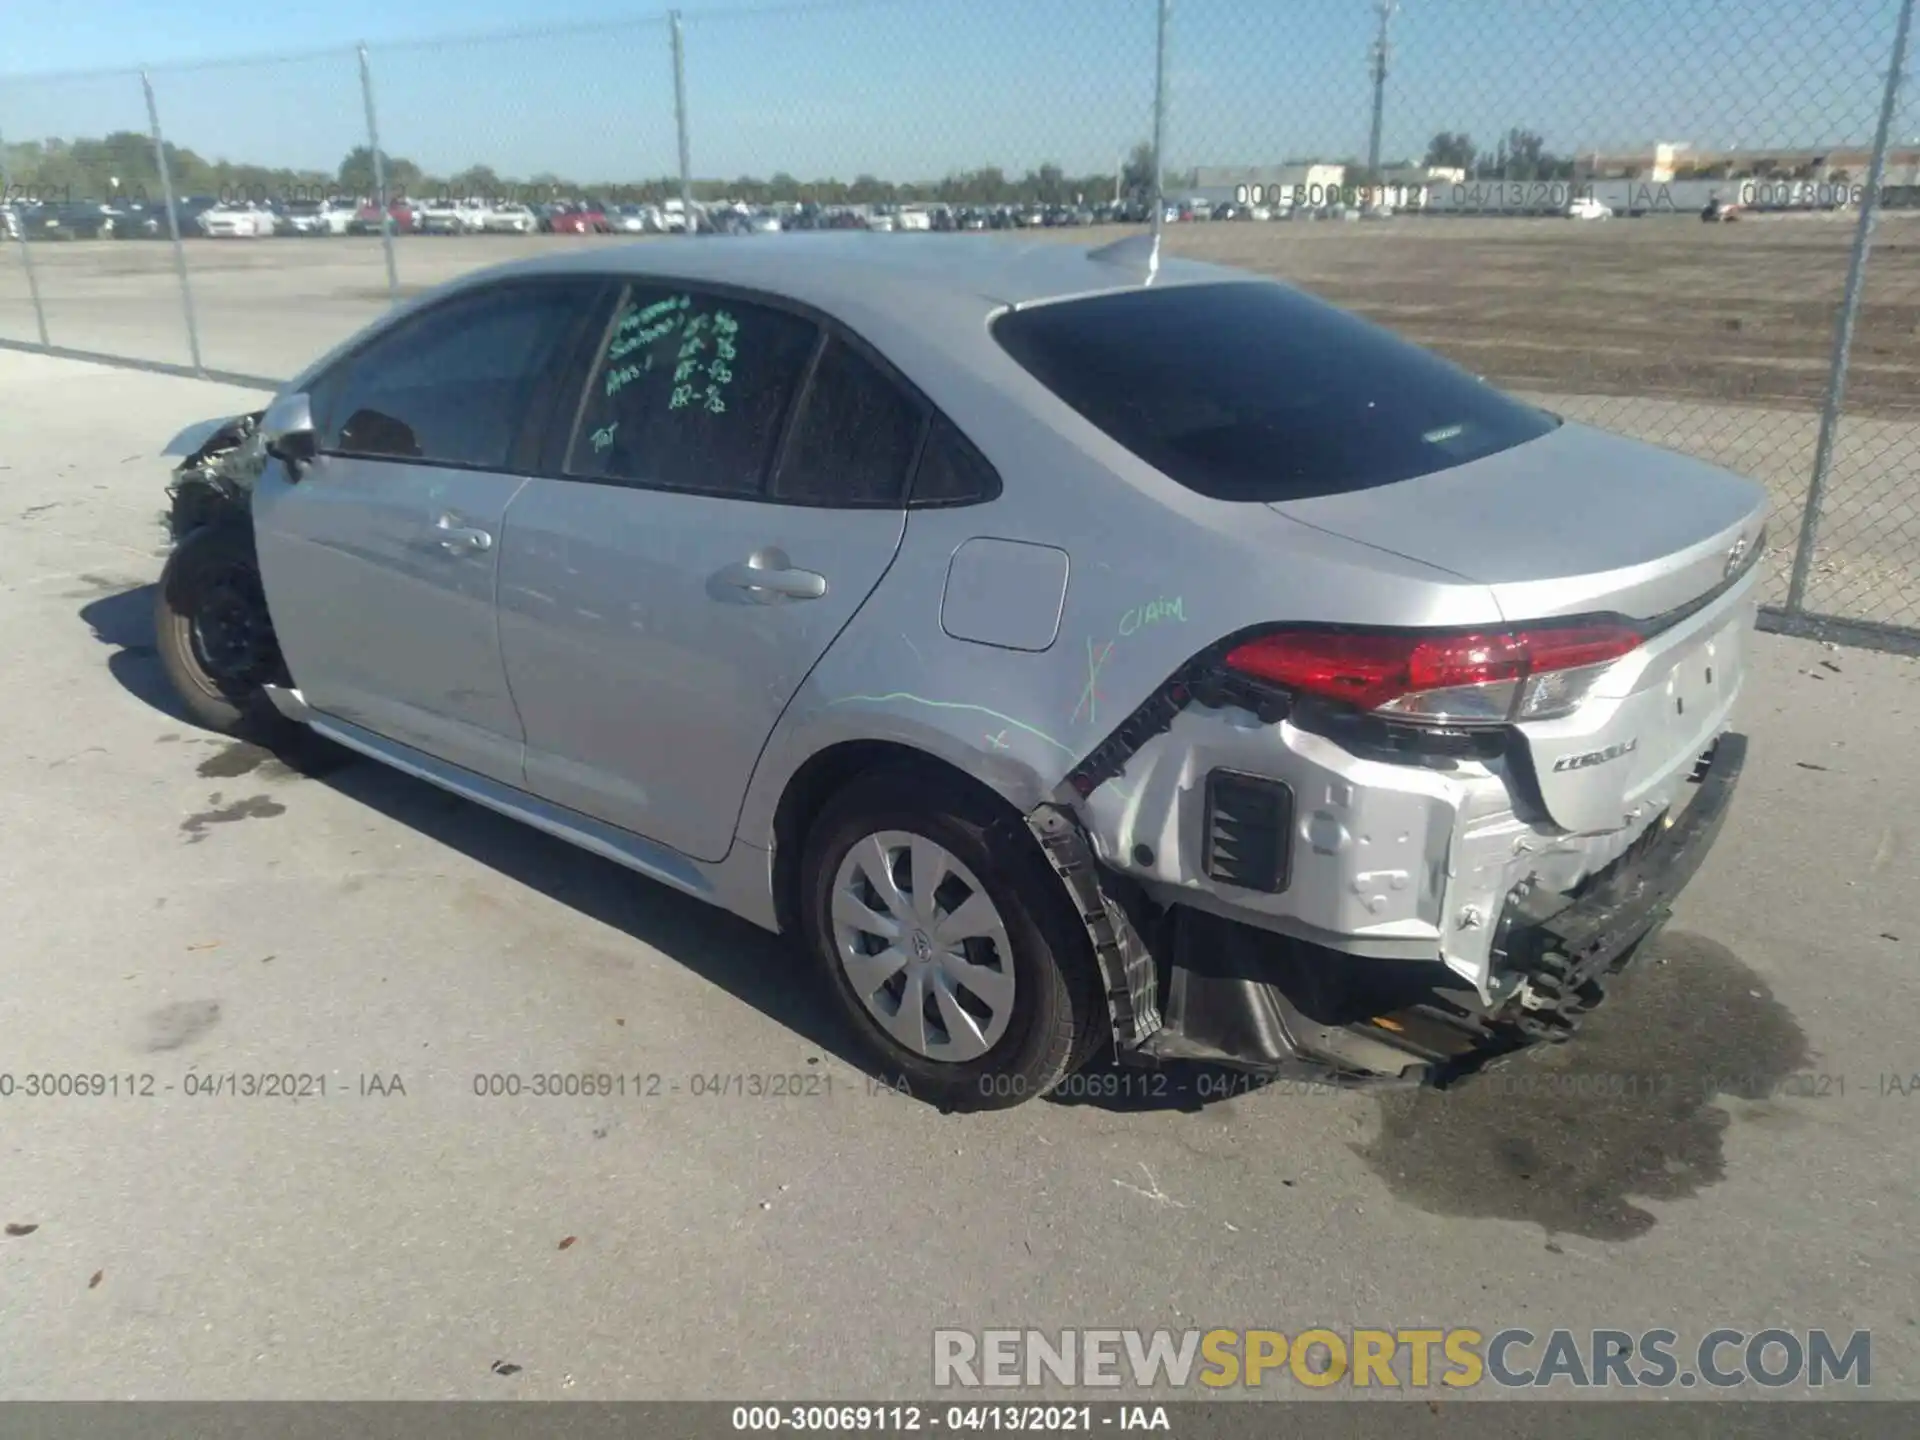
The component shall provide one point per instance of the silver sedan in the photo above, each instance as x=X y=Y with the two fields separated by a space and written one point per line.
x=1076 y=652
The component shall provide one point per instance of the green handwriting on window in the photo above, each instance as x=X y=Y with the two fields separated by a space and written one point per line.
x=626 y=375
x=703 y=367
x=636 y=331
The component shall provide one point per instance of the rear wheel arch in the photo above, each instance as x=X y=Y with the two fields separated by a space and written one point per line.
x=811 y=788
x=880 y=789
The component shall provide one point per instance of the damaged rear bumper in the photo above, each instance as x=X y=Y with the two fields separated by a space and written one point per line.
x=1190 y=985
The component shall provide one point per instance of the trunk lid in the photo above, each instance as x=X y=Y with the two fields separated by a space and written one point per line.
x=1578 y=523
x=1575 y=522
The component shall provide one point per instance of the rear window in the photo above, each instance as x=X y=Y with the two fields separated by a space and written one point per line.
x=1257 y=392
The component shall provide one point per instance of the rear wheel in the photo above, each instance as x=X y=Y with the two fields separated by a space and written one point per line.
x=213 y=631
x=946 y=941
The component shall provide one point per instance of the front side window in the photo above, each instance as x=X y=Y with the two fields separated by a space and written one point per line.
x=1258 y=392
x=691 y=392
x=453 y=385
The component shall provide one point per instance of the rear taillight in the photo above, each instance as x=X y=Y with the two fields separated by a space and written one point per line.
x=1488 y=677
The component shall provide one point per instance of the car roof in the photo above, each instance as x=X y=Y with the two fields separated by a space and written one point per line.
x=838 y=272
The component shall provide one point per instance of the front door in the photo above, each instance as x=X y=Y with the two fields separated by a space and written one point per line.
x=381 y=559
x=380 y=578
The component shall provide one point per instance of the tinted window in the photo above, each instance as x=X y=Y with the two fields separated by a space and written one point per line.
x=690 y=393
x=952 y=471
x=454 y=384
x=854 y=438
x=1258 y=392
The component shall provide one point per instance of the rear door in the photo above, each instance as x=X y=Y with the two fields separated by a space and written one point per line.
x=380 y=561
x=732 y=491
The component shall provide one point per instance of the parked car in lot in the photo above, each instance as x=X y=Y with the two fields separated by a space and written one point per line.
x=446 y=216
x=71 y=220
x=1586 y=207
x=396 y=217
x=236 y=220
x=913 y=217
x=509 y=217
x=584 y=218
x=635 y=220
x=1379 y=724
x=315 y=217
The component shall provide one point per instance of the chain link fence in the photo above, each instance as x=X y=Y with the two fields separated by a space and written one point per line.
x=1693 y=222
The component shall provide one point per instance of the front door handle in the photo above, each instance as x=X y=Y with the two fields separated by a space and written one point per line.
x=460 y=539
x=768 y=573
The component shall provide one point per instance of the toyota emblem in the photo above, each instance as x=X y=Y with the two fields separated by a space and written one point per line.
x=1736 y=555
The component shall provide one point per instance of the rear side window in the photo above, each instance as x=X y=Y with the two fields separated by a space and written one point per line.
x=951 y=470
x=453 y=385
x=1256 y=392
x=854 y=439
x=690 y=393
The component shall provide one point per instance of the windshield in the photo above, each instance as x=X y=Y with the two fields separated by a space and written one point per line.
x=1258 y=392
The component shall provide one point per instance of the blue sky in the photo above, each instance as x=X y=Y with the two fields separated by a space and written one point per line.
x=913 y=88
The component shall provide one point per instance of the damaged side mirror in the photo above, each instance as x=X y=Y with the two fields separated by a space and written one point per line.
x=287 y=431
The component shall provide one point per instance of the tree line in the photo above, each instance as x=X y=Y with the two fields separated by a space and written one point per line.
x=122 y=164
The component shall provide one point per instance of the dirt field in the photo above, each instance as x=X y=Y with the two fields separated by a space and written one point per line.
x=1662 y=307
x=1711 y=339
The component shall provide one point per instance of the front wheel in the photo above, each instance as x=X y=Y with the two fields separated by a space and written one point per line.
x=213 y=632
x=946 y=939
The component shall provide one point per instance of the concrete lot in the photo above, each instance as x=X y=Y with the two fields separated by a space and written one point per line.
x=178 y=905
x=1710 y=339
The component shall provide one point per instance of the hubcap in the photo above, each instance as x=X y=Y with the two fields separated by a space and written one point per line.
x=923 y=946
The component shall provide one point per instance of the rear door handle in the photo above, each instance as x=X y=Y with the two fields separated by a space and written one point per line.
x=769 y=573
x=460 y=539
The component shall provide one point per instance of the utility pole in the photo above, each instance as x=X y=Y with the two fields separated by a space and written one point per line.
x=1378 y=55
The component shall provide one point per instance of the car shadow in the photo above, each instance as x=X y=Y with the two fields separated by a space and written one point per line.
x=761 y=970
x=123 y=619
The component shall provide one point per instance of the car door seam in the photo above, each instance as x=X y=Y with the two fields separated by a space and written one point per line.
x=499 y=639
x=760 y=755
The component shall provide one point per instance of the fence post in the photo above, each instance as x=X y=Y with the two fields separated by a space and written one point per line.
x=26 y=251
x=1160 y=125
x=173 y=224
x=1849 y=312
x=379 y=180
x=680 y=117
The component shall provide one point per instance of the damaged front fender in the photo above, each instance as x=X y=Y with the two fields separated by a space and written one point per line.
x=214 y=480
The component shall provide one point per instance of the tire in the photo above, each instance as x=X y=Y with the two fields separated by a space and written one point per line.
x=213 y=633
x=1006 y=1048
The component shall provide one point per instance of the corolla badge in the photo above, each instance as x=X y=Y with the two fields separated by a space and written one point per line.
x=1597 y=757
